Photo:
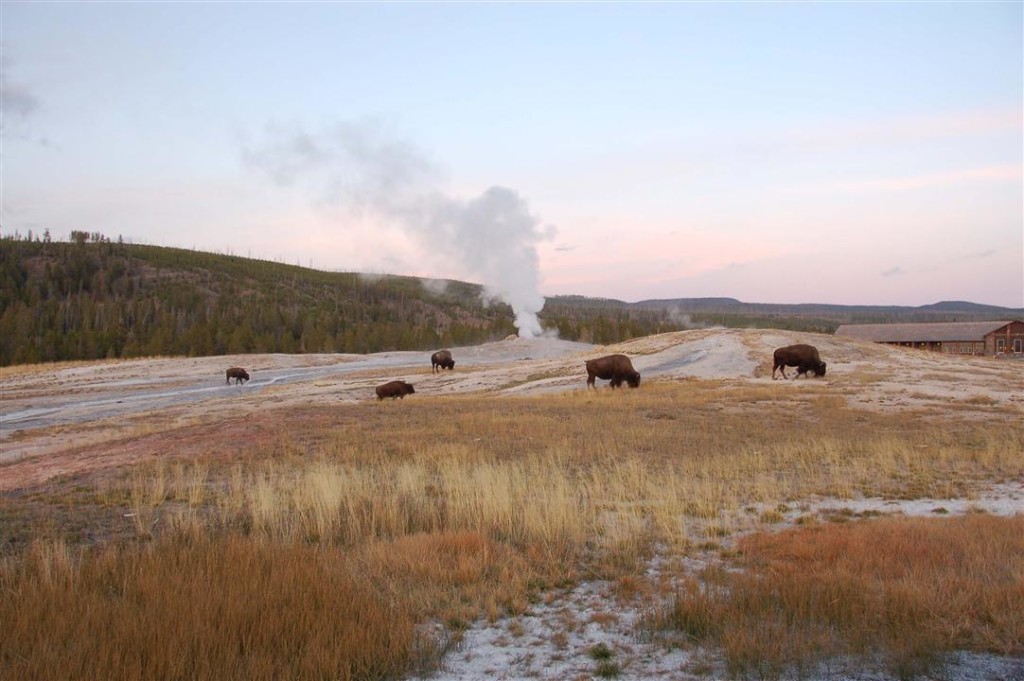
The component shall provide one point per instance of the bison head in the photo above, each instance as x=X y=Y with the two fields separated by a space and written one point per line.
x=820 y=369
x=633 y=379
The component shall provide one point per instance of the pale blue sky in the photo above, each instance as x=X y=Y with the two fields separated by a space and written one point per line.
x=800 y=152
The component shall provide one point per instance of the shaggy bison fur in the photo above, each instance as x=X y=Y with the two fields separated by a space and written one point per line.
x=442 y=359
x=804 y=357
x=238 y=373
x=618 y=368
x=394 y=390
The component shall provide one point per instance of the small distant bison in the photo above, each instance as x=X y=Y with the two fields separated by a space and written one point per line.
x=804 y=357
x=394 y=390
x=238 y=373
x=442 y=359
x=618 y=368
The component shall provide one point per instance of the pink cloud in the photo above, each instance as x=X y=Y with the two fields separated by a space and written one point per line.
x=995 y=173
x=619 y=262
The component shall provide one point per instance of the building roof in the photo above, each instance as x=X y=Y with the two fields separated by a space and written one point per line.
x=920 y=333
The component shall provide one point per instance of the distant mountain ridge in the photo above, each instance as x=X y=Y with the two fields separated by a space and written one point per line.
x=941 y=311
x=91 y=298
x=964 y=306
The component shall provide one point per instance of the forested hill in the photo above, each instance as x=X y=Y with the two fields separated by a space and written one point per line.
x=95 y=299
x=90 y=298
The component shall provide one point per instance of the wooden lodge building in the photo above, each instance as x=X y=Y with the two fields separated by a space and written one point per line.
x=959 y=338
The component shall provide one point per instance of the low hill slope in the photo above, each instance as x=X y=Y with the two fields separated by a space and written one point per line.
x=93 y=299
x=65 y=301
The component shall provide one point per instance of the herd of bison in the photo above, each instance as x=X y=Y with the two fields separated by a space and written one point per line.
x=612 y=368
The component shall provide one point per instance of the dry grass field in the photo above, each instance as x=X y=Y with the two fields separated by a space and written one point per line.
x=304 y=530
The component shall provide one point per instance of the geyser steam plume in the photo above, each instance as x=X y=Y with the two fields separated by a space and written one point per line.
x=491 y=238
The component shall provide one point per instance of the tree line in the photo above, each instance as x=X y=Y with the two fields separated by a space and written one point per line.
x=91 y=297
x=94 y=298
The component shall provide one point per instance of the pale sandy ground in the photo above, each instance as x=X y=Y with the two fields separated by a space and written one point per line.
x=48 y=411
x=45 y=409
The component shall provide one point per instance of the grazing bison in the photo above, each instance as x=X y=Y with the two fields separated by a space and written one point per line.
x=804 y=357
x=443 y=359
x=238 y=373
x=394 y=389
x=616 y=367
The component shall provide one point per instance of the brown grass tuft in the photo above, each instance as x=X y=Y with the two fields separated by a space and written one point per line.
x=909 y=590
x=454 y=509
x=200 y=609
x=451 y=577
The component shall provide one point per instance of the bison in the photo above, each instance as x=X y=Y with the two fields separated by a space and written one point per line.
x=238 y=373
x=442 y=359
x=618 y=368
x=804 y=357
x=394 y=390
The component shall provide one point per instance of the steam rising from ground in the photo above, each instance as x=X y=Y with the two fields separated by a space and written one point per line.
x=491 y=238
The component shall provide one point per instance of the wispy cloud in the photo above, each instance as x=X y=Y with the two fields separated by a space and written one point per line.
x=978 y=256
x=895 y=130
x=16 y=100
x=18 y=105
x=995 y=173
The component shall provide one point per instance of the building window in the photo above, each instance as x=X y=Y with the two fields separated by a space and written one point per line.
x=1000 y=345
x=1016 y=345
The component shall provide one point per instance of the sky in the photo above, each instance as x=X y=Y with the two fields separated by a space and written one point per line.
x=849 y=153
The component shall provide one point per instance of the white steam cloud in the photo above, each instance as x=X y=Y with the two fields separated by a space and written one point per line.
x=492 y=238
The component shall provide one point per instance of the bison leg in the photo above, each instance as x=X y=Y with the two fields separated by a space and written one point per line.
x=590 y=380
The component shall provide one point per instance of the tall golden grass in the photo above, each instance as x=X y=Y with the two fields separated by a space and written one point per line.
x=231 y=608
x=899 y=592
x=615 y=472
x=441 y=510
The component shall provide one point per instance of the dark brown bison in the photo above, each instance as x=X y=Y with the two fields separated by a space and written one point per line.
x=618 y=368
x=394 y=390
x=442 y=359
x=804 y=357
x=238 y=373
